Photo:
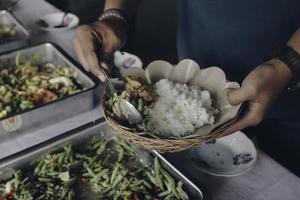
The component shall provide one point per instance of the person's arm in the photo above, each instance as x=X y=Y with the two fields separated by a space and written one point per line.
x=261 y=88
x=96 y=53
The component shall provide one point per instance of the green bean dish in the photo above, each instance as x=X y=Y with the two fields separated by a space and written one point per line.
x=27 y=83
x=99 y=169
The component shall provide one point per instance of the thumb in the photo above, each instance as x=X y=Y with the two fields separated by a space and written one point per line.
x=237 y=96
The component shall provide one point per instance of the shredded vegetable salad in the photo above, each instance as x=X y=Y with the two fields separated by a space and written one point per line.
x=27 y=83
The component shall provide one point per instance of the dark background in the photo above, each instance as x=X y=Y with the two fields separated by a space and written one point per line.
x=152 y=34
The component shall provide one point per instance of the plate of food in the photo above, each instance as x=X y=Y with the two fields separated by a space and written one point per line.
x=181 y=106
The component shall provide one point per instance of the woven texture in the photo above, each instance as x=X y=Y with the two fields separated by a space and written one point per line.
x=162 y=145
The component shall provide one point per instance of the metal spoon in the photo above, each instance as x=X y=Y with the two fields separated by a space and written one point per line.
x=127 y=111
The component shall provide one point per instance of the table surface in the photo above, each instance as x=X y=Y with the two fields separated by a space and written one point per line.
x=268 y=180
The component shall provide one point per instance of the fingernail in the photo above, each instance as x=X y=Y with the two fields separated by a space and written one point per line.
x=232 y=85
x=104 y=65
x=102 y=78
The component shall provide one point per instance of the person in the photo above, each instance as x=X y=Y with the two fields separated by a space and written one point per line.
x=239 y=36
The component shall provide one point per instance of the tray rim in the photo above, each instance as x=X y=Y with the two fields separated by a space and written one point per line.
x=70 y=59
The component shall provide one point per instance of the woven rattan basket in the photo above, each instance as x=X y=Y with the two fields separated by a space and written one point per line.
x=163 y=145
x=189 y=70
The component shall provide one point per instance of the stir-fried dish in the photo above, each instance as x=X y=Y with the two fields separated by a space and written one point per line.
x=7 y=31
x=141 y=95
x=29 y=83
x=169 y=109
x=100 y=169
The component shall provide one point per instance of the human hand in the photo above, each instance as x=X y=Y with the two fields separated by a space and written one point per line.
x=259 y=89
x=95 y=44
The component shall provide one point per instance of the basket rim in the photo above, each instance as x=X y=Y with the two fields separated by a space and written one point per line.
x=214 y=134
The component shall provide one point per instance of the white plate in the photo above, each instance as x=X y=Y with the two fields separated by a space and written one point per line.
x=55 y=19
x=228 y=156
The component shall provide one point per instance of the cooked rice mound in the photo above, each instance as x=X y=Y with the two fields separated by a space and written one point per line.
x=180 y=109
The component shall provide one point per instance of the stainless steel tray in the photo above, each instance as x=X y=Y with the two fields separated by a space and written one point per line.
x=45 y=115
x=22 y=36
x=27 y=158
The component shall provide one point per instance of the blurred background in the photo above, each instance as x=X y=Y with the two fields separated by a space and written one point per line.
x=152 y=33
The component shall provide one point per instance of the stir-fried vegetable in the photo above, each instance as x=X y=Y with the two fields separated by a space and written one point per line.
x=26 y=84
x=140 y=95
x=101 y=169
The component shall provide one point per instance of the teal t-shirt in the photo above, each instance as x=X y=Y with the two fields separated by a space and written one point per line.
x=237 y=36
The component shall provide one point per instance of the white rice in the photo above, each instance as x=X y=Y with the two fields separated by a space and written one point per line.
x=180 y=109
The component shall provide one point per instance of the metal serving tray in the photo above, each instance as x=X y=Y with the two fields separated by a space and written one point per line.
x=21 y=39
x=76 y=138
x=42 y=116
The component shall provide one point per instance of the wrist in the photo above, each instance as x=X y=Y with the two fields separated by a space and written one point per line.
x=290 y=58
x=117 y=20
x=114 y=13
x=128 y=7
x=112 y=31
x=282 y=69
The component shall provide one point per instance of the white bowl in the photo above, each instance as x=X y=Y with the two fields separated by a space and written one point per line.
x=228 y=156
x=55 y=19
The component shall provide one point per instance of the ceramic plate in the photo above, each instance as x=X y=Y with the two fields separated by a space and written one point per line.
x=228 y=156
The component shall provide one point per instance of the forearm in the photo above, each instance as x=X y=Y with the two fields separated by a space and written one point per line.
x=127 y=6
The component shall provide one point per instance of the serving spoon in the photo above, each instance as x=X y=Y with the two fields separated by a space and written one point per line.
x=127 y=111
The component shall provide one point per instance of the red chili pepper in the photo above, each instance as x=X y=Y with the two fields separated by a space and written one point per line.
x=45 y=96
